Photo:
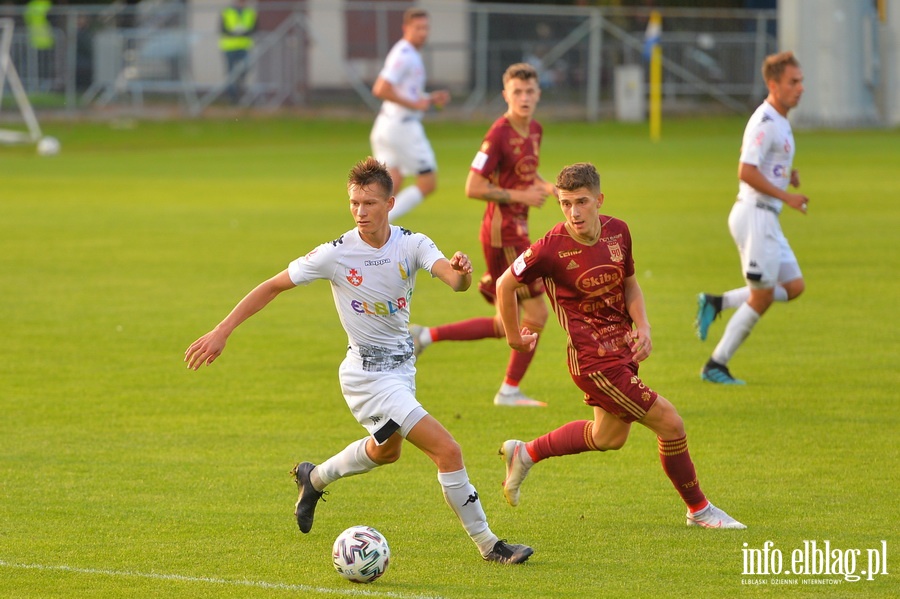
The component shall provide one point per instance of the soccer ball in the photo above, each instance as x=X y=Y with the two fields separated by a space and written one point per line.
x=360 y=554
x=48 y=146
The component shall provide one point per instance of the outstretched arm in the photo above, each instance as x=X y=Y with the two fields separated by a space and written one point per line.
x=522 y=340
x=208 y=347
x=641 y=344
x=455 y=272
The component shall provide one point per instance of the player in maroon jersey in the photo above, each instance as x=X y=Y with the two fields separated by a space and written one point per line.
x=587 y=266
x=505 y=174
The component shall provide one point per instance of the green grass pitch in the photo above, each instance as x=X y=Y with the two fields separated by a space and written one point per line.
x=123 y=474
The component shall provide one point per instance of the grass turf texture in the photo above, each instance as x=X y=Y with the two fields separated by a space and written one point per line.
x=124 y=474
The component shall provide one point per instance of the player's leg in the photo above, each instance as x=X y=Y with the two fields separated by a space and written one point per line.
x=416 y=157
x=385 y=405
x=790 y=278
x=618 y=398
x=534 y=317
x=755 y=232
x=663 y=419
x=384 y=130
x=437 y=443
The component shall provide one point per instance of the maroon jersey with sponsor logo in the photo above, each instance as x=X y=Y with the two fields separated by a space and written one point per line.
x=509 y=160
x=586 y=287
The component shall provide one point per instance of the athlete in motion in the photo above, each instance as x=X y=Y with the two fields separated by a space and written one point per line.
x=505 y=174
x=767 y=260
x=398 y=137
x=372 y=270
x=587 y=265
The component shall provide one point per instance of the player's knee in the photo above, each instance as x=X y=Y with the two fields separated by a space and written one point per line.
x=611 y=444
x=427 y=184
x=795 y=288
x=387 y=455
x=450 y=456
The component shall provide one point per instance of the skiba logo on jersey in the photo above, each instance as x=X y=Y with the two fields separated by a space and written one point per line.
x=383 y=308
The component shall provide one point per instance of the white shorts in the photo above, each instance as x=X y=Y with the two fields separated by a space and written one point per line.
x=383 y=402
x=401 y=144
x=766 y=257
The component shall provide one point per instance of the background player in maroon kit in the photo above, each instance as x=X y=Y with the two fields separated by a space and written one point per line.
x=587 y=266
x=504 y=174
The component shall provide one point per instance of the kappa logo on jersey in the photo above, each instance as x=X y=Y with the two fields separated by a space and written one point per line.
x=572 y=265
x=375 y=419
x=337 y=241
x=615 y=252
x=354 y=277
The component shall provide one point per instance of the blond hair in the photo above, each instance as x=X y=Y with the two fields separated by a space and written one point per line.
x=774 y=65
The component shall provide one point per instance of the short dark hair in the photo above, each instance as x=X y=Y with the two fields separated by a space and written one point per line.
x=369 y=172
x=414 y=13
x=578 y=175
x=520 y=70
x=774 y=65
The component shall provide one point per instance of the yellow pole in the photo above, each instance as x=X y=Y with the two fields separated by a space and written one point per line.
x=655 y=92
x=656 y=78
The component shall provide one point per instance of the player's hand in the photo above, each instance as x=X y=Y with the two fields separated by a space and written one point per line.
x=440 y=98
x=526 y=341
x=205 y=349
x=797 y=201
x=461 y=263
x=641 y=345
x=795 y=178
x=533 y=196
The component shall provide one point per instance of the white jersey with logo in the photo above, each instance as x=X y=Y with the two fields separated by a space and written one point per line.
x=405 y=71
x=372 y=289
x=768 y=145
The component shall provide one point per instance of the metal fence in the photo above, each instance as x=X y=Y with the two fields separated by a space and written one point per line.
x=164 y=54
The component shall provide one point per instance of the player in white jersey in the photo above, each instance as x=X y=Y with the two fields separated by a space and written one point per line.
x=768 y=264
x=372 y=271
x=398 y=137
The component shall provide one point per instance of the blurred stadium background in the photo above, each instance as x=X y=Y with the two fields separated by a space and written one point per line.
x=160 y=58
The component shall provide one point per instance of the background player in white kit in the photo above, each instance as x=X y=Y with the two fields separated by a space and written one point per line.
x=767 y=261
x=398 y=137
x=372 y=269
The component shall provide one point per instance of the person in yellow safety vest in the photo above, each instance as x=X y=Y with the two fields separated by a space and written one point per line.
x=236 y=41
x=40 y=33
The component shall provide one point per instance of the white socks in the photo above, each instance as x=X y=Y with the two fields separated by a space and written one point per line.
x=738 y=328
x=462 y=497
x=736 y=297
x=349 y=462
x=405 y=201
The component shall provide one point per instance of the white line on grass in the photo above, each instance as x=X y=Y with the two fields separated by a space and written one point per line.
x=261 y=584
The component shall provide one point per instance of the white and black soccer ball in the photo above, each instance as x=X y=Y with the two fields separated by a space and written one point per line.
x=48 y=146
x=361 y=554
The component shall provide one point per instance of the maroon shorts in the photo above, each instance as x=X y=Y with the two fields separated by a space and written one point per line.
x=498 y=260
x=618 y=390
